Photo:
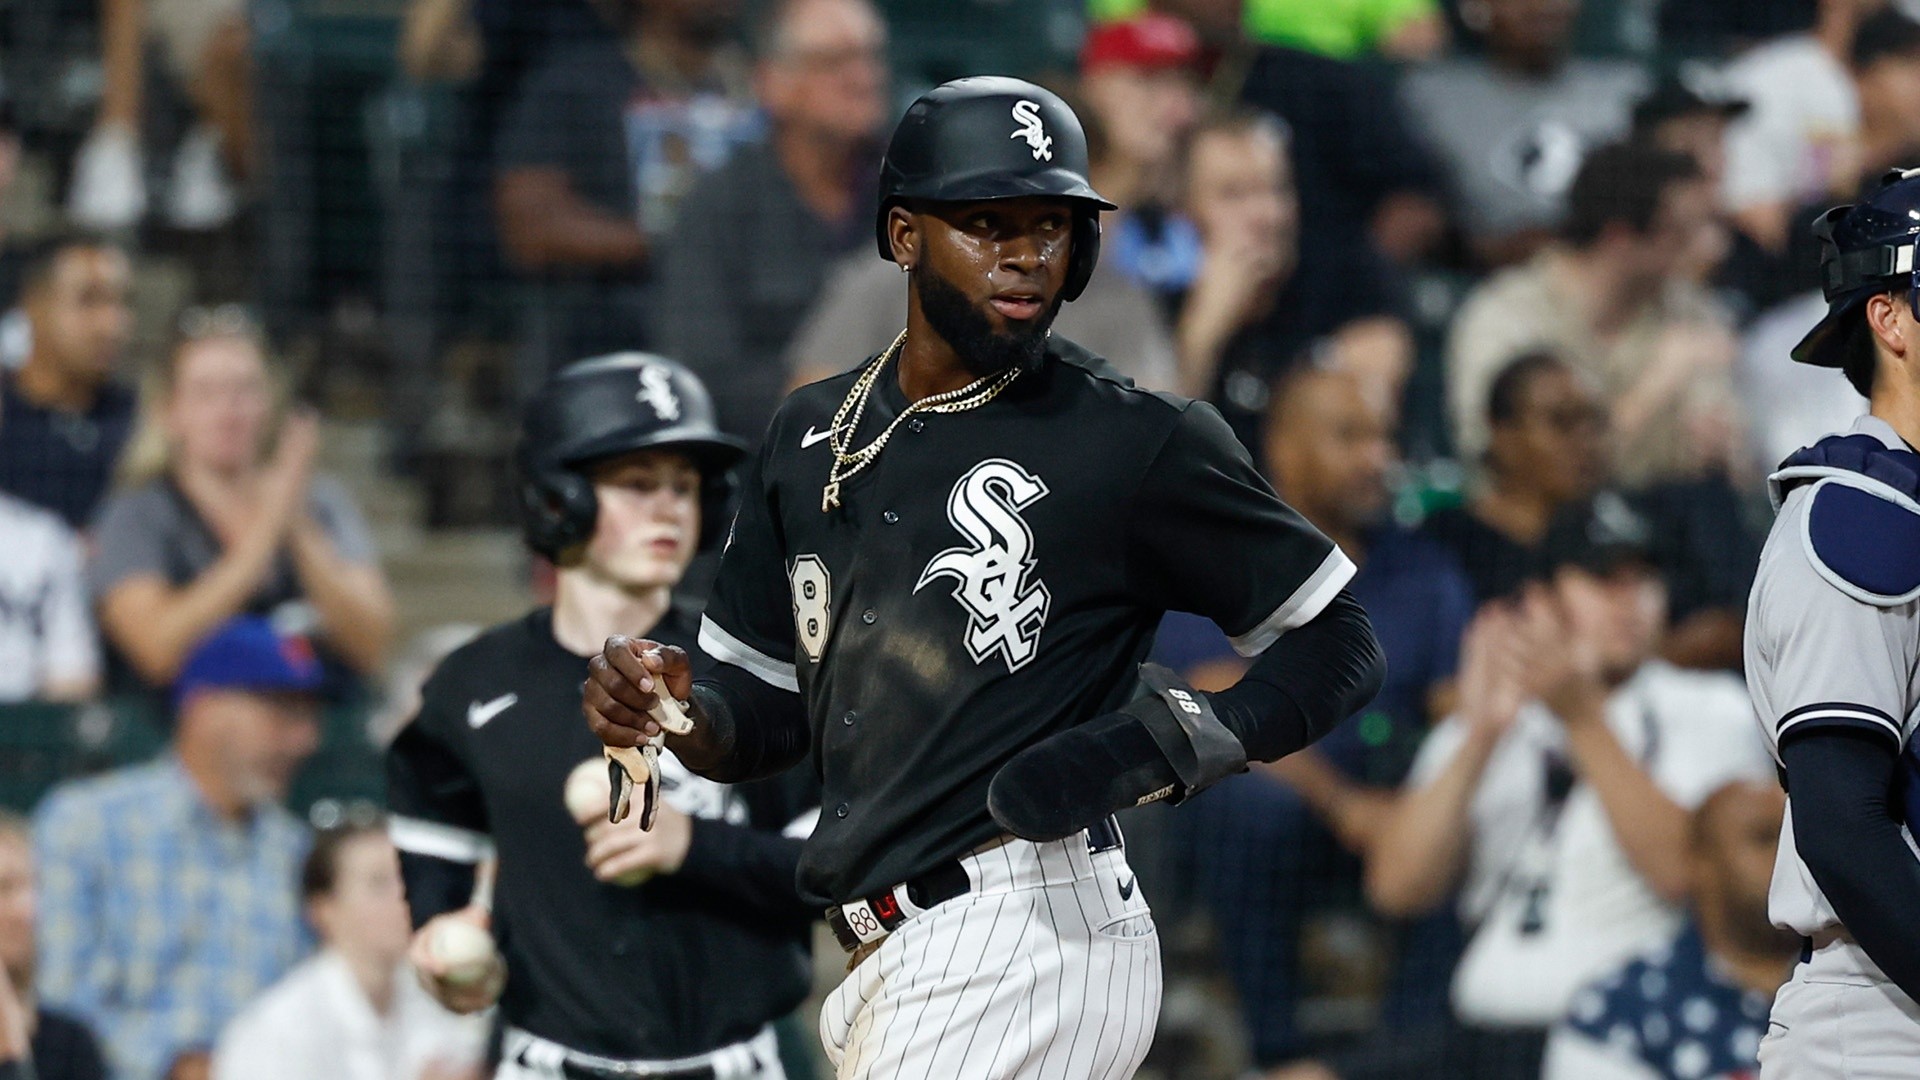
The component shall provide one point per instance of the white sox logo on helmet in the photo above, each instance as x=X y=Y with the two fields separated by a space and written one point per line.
x=993 y=573
x=656 y=392
x=1027 y=113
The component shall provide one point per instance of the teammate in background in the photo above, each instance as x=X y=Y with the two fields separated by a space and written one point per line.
x=623 y=950
x=1833 y=662
x=1557 y=796
x=947 y=567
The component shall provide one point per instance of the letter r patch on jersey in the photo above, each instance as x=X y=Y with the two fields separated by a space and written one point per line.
x=993 y=572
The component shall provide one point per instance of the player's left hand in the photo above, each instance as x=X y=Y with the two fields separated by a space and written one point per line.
x=624 y=685
x=622 y=853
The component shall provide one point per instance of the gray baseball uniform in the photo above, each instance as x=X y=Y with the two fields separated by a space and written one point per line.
x=1829 y=646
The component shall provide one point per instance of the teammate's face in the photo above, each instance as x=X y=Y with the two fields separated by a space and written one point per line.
x=987 y=275
x=1620 y=613
x=80 y=316
x=260 y=740
x=16 y=907
x=649 y=520
x=1329 y=450
x=366 y=913
x=221 y=403
x=1555 y=445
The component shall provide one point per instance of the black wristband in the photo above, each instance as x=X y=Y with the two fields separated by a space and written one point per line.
x=1194 y=741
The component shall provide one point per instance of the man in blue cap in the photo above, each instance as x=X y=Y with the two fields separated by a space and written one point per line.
x=167 y=897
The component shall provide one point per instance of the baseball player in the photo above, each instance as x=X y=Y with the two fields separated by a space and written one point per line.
x=946 y=569
x=1833 y=663
x=615 y=941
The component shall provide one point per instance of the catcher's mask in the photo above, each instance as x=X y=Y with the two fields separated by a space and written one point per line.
x=1866 y=248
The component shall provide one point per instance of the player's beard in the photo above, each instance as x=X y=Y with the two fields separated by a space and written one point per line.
x=964 y=326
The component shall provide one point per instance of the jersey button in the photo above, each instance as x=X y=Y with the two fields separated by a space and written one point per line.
x=868 y=617
x=890 y=517
x=916 y=424
x=840 y=811
x=849 y=718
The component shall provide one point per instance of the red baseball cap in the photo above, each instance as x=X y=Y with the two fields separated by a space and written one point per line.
x=1151 y=41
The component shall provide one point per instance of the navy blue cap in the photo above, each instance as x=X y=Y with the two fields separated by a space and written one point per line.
x=247 y=653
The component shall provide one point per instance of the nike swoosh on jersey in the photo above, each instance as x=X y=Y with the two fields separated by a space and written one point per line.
x=480 y=712
x=813 y=436
x=1126 y=889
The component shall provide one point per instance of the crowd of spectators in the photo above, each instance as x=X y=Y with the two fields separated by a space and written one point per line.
x=1498 y=294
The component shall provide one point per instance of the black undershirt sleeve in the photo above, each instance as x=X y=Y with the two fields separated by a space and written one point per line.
x=424 y=778
x=754 y=730
x=1847 y=833
x=752 y=868
x=1305 y=683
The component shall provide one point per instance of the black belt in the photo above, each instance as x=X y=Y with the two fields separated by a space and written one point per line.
x=882 y=914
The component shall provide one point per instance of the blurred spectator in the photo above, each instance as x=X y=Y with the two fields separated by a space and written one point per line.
x=1696 y=1006
x=166 y=885
x=35 y=1043
x=1797 y=143
x=1329 y=451
x=352 y=1011
x=63 y=420
x=1677 y=117
x=1546 y=450
x=1608 y=298
x=1363 y=179
x=606 y=135
x=756 y=239
x=1140 y=85
x=1343 y=29
x=1257 y=303
x=1514 y=124
x=12 y=252
x=206 y=62
x=1886 y=75
x=1789 y=405
x=224 y=515
x=1560 y=791
x=47 y=647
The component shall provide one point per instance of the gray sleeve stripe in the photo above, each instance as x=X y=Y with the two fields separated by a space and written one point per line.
x=728 y=649
x=1839 y=715
x=1307 y=601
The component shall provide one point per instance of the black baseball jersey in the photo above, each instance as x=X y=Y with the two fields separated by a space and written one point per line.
x=992 y=578
x=611 y=970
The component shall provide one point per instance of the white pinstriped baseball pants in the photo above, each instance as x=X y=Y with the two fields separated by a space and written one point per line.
x=1047 y=969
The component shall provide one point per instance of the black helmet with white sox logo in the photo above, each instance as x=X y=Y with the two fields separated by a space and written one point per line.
x=610 y=405
x=989 y=137
x=1866 y=248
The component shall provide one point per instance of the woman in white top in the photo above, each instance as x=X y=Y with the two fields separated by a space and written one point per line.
x=352 y=1011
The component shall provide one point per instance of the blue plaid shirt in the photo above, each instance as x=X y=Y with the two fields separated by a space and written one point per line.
x=159 y=920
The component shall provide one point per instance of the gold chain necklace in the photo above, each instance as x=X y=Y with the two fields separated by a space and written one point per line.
x=846 y=420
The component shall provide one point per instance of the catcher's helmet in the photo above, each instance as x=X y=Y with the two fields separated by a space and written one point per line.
x=612 y=405
x=989 y=137
x=1866 y=248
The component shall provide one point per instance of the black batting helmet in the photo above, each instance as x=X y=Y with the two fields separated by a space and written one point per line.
x=1866 y=248
x=989 y=137
x=610 y=405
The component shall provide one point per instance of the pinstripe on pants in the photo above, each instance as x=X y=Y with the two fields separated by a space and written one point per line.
x=1043 y=970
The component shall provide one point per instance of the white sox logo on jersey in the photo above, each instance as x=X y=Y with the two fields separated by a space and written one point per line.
x=1027 y=114
x=656 y=392
x=991 y=573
